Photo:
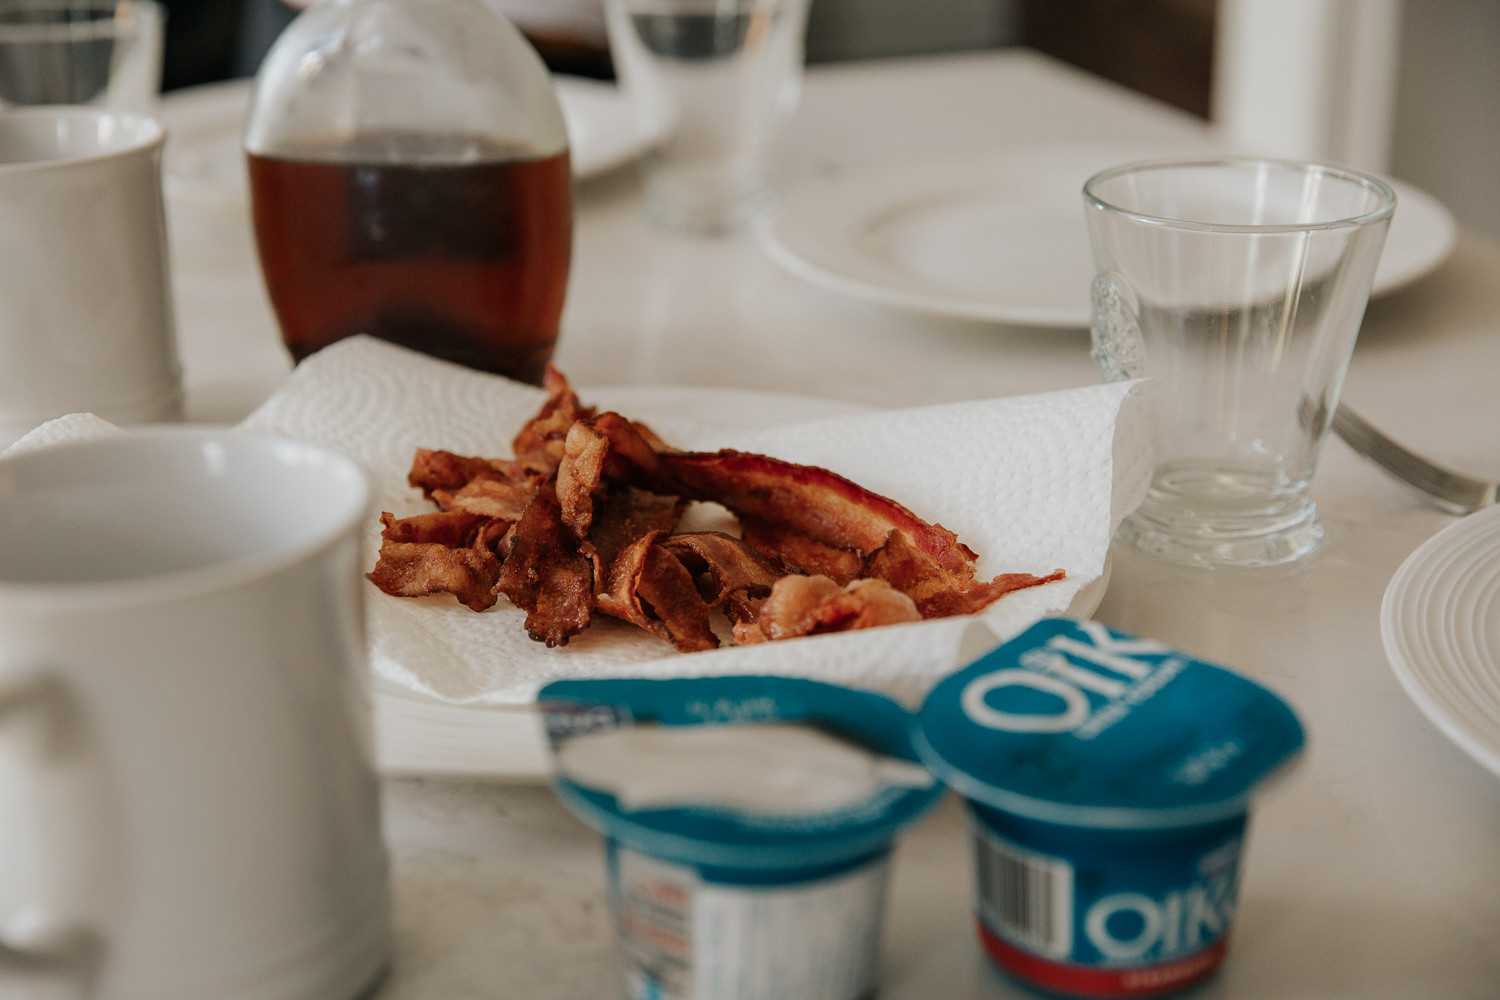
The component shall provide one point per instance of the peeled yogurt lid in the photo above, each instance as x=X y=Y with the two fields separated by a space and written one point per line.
x=739 y=772
x=1074 y=723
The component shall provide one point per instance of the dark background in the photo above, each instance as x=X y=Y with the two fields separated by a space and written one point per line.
x=1161 y=47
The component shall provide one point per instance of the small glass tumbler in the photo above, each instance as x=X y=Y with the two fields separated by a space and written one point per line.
x=1237 y=286
x=103 y=53
x=713 y=79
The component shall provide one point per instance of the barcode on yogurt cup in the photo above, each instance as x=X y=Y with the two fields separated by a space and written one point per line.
x=1024 y=896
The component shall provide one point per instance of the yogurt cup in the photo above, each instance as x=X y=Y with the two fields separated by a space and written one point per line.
x=748 y=825
x=1109 y=780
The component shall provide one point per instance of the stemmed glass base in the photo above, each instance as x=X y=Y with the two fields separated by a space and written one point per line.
x=1195 y=538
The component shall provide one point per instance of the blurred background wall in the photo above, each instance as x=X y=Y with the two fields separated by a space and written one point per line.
x=1411 y=87
x=1446 y=138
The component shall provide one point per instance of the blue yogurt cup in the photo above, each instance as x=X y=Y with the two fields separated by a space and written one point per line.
x=728 y=903
x=1109 y=780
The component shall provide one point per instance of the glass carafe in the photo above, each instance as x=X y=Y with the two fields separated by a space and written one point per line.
x=410 y=179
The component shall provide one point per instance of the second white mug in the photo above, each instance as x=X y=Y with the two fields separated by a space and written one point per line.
x=86 y=321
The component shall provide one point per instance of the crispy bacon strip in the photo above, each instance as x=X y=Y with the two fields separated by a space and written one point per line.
x=811 y=501
x=623 y=514
x=579 y=474
x=539 y=444
x=813 y=605
x=936 y=592
x=649 y=587
x=729 y=573
x=433 y=470
x=490 y=496
x=545 y=573
x=604 y=449
x=438 y=553
x=796 y=553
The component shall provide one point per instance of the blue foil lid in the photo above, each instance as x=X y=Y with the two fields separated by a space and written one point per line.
x=1074 y=723
x=735 y=838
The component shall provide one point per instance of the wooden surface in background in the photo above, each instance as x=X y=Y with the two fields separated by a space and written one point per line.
x=1163 y=48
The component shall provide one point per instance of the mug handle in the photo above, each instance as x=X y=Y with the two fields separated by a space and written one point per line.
x=41 y=726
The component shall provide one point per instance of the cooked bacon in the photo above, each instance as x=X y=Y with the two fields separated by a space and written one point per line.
x=438 y=553
x=578 y=475
x=634 y=451
x=649 y=587
x=796 y=553
x=490 y=496
x=623 y=514
x=813 y=605
x=729 y=573
x=539 y=444
x=811 y=501
x=545 y=573
x=581 y=519
x=433 y=470
x=936 y=592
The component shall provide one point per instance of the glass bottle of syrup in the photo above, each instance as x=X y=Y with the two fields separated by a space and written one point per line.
x=410 y=179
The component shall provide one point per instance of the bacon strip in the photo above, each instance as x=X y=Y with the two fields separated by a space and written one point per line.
x=624 y=514
x=546 y=574
x=796 y=553
x=814 y=605
x=433 y=470
x=810 y=501
x=936 y=592
x=730 y=574
x=539 y=443
x=649 y=587
x=438 y=553
x=579 y=475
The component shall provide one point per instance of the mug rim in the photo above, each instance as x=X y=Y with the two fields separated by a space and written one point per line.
x=148 y=132
x=194 y=581
x=1384 y=209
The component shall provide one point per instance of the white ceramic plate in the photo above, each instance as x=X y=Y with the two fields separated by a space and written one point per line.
x=1440 y=622
x=418 y=735
x=1001 y=237
x=204 y=162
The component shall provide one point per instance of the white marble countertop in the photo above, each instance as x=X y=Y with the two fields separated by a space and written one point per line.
x=1372 y=872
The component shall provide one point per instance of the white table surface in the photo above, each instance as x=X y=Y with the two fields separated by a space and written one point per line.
x=1373 y=871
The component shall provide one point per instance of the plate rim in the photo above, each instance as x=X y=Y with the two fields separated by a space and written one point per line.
x=794 y=256
x=208 y=110
x=1407 y=665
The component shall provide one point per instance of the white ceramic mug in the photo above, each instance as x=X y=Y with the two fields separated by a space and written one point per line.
x=188 y=803
x=86 y=321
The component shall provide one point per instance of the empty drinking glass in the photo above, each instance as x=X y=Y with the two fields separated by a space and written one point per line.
x=714 y=79
x=106 y=53
x=1238 y=286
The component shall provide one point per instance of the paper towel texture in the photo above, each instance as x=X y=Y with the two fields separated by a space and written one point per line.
x=1032 y=484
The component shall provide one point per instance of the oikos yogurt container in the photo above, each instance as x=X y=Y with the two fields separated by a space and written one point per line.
x=748 y=823
x=1109 y=779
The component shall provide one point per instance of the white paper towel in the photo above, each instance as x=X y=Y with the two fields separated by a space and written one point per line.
x=1031 y=483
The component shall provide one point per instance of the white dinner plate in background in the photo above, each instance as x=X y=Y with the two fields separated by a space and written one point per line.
x=204 y=162
x=1440 y=622
x=1001 y=236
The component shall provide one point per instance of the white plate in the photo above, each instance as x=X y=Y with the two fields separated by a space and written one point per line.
x=1001 y=237
x=1440 y=622
x=418 y=735
x=204 y=161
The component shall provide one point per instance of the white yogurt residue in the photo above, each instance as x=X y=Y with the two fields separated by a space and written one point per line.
x=774 y=768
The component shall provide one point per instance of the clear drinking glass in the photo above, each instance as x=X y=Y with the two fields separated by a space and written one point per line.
x=1237 y=286
x=410 y=179
x=106 y=53
x=714 y=79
